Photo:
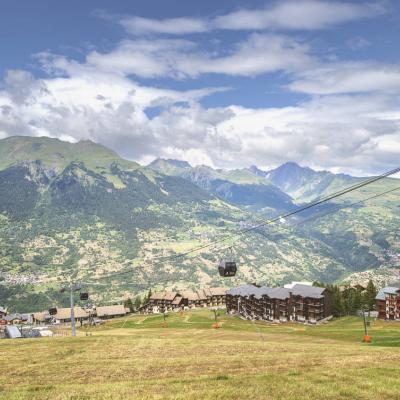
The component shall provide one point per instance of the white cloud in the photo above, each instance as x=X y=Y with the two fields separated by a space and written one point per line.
x=349 y=133
x=256 y=55
x=298 y=15
x=102 y=107
x=282 y=15
x=174 y=26
x=350 y=77
x=179 y=59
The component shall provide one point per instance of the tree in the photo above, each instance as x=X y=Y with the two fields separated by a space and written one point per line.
x=128 y=304
x=138 y=302
x=357 y=300
x=369 y=296
x=337 y=301
x=146 y=298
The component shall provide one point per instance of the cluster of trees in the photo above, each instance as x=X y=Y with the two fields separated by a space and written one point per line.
x=348 y=300
x=139 y=301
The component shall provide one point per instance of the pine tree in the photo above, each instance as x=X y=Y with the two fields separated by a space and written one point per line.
x=357 y=300
x=128 y=304
x=138 y=302
x=370 y=294
x=337 y=301
x=146 y=298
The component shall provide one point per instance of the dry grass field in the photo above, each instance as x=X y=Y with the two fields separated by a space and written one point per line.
x=138 y=358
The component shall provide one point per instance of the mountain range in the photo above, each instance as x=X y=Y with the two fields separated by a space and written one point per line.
x=81 y=212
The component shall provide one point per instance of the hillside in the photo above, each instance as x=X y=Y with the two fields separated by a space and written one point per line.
x=240 y=187
x=80 y=211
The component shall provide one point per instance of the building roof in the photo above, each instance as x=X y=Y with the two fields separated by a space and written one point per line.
x=191 y=296
x=242 y=290
x=41 y=316
x=314 y=292
x=12 y=317
x=110 y=310
x=65 y=313
x=163 y=296
x=278 y=292
x=177 y=300
x=387 y=290
x=3 y=310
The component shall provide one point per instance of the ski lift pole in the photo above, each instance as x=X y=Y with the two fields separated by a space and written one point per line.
x=367 y=338
x=73 y=329
x=72 y=289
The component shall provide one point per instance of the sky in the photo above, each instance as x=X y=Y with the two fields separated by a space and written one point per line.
x=225 y=83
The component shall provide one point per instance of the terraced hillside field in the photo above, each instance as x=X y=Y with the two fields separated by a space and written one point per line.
x=140 y=358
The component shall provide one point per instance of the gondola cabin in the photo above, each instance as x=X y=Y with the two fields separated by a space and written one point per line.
x=84 y=296
x=227 y=268
x=53 y=311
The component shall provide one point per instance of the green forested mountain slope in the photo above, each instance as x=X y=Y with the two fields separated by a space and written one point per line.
x=94 y=216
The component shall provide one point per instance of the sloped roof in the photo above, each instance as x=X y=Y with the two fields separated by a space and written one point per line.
x=242 y=290
x=110 y=310
x=177 y=300
x=191 y=296
x=41 y=316
x=279 y=293
x=201 y=294
x=65 y=313
x=12 y=317
x=386 y=290
x=314 y=292
x=3 y=310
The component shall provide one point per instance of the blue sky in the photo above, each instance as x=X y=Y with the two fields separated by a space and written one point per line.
x=227 y=84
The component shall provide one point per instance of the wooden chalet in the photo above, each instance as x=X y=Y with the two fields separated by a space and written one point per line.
x=388 y=303
x=64 y=314
x=302 y=303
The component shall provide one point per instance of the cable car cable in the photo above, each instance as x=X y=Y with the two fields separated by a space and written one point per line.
x=298 y=223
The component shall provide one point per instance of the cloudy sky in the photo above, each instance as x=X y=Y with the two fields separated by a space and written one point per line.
x=224 y=83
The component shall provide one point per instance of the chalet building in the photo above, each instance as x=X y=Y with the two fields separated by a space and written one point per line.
x=388 y=303
x=106 y=312
x=17 y=319
x=162 y=301
x=173 y=301
x=64 y=314
x=215 y=296
x=41 y=318
x=302 y=303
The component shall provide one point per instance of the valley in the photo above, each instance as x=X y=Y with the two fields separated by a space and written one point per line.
x=79 y=211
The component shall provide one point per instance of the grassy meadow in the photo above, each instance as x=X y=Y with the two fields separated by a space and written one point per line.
x=140 y=357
